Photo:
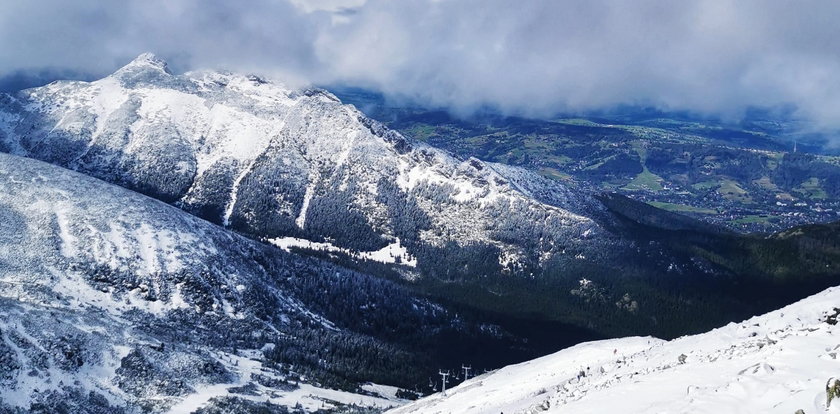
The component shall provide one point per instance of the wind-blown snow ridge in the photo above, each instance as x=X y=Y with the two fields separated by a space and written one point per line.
x=778 y=362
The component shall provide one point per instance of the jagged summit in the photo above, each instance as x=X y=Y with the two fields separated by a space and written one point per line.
x=145 y=69
x=148 y=60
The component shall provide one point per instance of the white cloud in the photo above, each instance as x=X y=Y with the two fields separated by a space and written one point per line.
x=310 y=6
x=532 y=57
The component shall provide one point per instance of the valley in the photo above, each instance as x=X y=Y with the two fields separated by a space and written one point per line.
x=757 y=175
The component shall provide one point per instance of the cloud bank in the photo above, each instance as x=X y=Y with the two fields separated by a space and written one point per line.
x=525 y=57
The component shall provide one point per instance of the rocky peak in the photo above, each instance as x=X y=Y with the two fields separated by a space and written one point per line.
x=146 y=68
x=148 y=60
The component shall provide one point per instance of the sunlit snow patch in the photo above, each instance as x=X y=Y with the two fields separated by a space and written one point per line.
x=392 y=253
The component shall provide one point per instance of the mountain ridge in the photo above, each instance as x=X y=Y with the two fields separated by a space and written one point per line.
x=229 y=153
x=298 y=169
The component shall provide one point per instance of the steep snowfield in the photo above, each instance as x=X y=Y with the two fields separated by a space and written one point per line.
x=775 y=363
x=274 y=162
x=113 y=301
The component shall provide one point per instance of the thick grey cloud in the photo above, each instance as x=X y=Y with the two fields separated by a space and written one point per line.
x=531 y=57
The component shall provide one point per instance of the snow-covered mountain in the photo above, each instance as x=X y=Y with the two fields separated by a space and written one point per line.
x=111 y=301
x=286 y=165
x=779 y=362
x=297 y=169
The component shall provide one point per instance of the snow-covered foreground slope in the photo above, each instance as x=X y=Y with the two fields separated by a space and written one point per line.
x=114 y=302
x=779 y=362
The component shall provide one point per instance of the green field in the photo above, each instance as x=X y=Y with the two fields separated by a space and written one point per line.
x=646 y=180
x=731 y=190
x=681 y=208
x=753 y=219
x=812 y=189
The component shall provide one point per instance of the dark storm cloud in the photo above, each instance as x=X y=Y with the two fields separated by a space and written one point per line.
x=531 y=57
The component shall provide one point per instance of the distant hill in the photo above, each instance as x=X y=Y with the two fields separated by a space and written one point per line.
x=760 y=174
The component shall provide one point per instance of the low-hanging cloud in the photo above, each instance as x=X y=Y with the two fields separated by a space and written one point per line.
x=525 y=57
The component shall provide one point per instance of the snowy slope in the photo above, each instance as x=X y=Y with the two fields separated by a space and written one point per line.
x=111 y=301
x=274 y=162
x=775 y=363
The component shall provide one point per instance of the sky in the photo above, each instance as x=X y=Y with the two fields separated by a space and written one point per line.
x=518 y=57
